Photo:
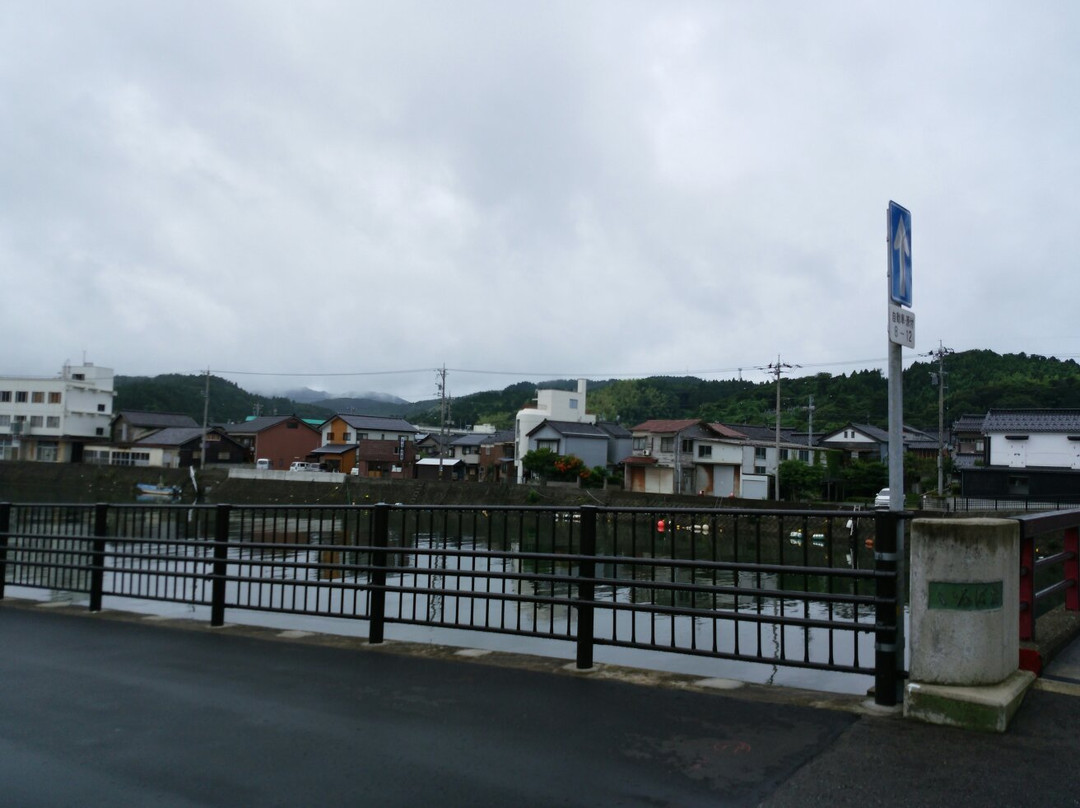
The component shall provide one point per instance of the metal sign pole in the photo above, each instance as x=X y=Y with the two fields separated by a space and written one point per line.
x=901 y=327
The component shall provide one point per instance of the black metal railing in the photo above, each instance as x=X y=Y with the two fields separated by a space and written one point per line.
x=804 y=589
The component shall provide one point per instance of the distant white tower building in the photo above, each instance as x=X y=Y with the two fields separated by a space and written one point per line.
x=551 y=405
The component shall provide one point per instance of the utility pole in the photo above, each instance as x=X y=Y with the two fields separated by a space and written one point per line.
x=205 y=420
x=776 y=369
x=444 y=412
x=939 y=379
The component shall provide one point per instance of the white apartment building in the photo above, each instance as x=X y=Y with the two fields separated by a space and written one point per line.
x=551 y=405
x=50 y=419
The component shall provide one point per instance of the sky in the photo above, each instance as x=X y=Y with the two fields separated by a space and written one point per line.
x=350 y=195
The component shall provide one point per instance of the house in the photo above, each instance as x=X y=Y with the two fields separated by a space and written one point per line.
x=968 y=442
x=555 y=405
x=367 y=445
x=871 y=443
x=1027 y=454
x=762 y=456
x=497 y=457
x=684 y=456
x=180 y=447
x=281 y=439
x=128 y=426
x=52 y=419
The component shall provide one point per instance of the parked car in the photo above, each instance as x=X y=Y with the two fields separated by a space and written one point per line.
x=263 y=464
x=300 y=465
x=883 y=499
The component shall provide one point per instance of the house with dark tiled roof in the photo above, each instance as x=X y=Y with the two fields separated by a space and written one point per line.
x=182 y=446
x=868 y=442
x=1027 y=454
x=128 y=426
x=368 y=446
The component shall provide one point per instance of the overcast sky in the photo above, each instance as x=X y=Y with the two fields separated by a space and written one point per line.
x=525 y=190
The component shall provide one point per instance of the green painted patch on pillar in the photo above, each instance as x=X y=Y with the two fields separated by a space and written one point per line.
x=962 y=596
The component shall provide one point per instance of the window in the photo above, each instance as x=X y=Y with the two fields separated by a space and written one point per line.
x=99 y=431
x=346 y=436
x=53 y=422
x=759 y=469
x=687 y=445
x=54 y=398
x=101 y=408
x=5 y=395
x=573 y=403
x=37 y=397
x=5 y=420
x=329 y=437
x=37 y=421
x=20 y=396
x=759 y=453
x=804 y=455
x=704 y=450
x=552 y=445
x=640 y=444
x=292 y=425
x=667 y=444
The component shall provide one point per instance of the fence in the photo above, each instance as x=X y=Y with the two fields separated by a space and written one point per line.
x=1045 y=576
x=795 y=588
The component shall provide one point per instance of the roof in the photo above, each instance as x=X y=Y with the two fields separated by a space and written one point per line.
x=615 y=430
x=261 y=423
x=434 y=461
x=333 y=448
x=174 y=436
x=969 y=423
x=729 y=432
x=662 y=426
x=573 y=429
x=383 y=423
x=1060 y=421
x=156 y=420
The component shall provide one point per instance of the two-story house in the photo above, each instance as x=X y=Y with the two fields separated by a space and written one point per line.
x=280 y=439
x=1028 y=454
x=684 y=456
x=367 y=445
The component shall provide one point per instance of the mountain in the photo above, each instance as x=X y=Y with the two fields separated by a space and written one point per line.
x=976 y=381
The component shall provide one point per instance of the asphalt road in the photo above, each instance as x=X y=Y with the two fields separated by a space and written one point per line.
x=97 y=711
x=101 y=712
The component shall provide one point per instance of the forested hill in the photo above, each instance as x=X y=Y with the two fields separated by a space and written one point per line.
x=976 y=381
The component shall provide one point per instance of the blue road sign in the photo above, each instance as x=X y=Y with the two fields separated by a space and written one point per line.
x=899 y=254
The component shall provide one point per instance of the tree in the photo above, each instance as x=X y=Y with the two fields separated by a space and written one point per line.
x=800 y=481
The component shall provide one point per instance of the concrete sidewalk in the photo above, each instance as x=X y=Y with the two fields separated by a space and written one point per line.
x=112 y=709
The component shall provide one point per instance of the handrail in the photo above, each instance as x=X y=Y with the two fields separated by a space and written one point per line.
x=1066 y=522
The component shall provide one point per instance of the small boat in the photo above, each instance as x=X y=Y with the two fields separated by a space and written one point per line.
x=157 y=490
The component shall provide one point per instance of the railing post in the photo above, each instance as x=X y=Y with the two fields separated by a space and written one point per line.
x=220 y=569
x=1072 y=568
x=886 y=560
x=586 y=589
x=97 y=555
x=380 y=540
x=5 y=528
x=1027 y=586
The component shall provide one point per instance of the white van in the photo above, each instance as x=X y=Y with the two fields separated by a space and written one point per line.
x=300 y=465
x=262 y=464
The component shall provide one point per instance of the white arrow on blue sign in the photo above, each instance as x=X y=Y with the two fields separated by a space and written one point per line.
x=899 y=254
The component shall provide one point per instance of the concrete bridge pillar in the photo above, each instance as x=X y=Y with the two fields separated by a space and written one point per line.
x=965 y=639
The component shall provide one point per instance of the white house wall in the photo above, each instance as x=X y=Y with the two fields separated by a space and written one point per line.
x=1037 y=451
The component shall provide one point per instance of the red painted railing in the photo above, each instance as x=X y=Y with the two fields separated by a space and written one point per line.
x=1041 y=526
